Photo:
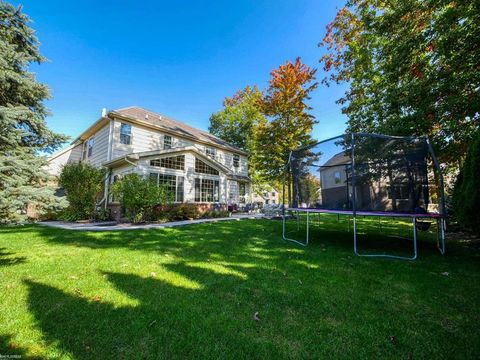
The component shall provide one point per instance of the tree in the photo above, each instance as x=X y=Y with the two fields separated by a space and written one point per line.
x=411 y=67
x=23 y=130
x=290 y=125
x=83 y=185
x=466 y=194
x=237 y=123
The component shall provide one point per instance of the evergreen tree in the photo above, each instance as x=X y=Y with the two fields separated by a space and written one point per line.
x=23 y=130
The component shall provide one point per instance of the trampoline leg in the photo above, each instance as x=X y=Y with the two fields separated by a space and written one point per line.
x=415 y=249
x=441 y=235
x=354 y=234
x=298 y=227
x=414 y=238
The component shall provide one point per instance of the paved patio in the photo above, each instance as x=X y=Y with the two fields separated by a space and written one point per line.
x=111 y=225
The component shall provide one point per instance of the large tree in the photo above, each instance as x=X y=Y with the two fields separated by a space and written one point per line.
x=23 y=130
x=412 y=67
x=290 y=123
x=238 y=123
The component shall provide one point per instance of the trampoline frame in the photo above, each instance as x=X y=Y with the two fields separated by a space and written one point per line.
x=439 y=217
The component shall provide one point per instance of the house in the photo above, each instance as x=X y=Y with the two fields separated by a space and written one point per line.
x=398 y=185
x=266 y=196
x=197 y=166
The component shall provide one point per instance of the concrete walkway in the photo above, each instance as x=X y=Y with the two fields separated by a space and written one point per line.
x=110 y=225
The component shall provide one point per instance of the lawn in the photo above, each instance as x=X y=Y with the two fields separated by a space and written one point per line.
x=192 y=292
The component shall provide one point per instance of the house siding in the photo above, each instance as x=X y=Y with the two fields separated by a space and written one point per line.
x=100 y=147
x=55 y=164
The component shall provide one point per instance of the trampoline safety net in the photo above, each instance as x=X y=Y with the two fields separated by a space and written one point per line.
x=366 y=172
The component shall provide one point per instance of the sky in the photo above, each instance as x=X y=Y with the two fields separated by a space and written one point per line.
x=177 y=58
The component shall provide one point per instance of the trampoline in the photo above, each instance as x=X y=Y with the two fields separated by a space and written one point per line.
x=367 y=175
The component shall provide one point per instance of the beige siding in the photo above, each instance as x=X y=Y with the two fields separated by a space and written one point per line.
x=146 y=139
x=56 y=162
x=100 y=147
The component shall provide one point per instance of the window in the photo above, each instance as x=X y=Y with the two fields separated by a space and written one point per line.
x=173 y=184
x=202 y=168
x=242 y=191
x=337 y=177
x=236 y=160
x=206 y=190
x=210 y=152
x=167 y=142
x=399 y=192
x=273 y=194
x=125 y=134
x=174 y=162
x=88 y=148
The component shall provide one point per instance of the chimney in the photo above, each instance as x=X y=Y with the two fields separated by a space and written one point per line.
x=146 y=116
x=104 y=112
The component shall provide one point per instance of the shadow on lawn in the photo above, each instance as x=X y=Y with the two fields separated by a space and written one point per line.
x=169 y=322
x=6 y=258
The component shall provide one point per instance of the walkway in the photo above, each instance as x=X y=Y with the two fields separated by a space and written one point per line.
x=111 y=225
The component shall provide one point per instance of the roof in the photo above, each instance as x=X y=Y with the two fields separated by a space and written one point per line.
x=338 y=159
x=171 y=125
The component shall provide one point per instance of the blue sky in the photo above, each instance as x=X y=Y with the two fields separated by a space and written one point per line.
x=177 y=58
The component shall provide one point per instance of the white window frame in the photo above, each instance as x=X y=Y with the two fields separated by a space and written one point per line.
x=236 y=160
x=211 y=152
x=129 y=134
x=170 y=145
x=88 y=148
x=157 y=174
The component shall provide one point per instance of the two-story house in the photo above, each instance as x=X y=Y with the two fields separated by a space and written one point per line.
x=197 y=166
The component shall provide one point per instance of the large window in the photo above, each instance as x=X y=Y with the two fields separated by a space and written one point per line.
x=167 y=142
x=206 y=190
x=242 y=191
x=211 y=152
x=202 y=168
x=173 y=162
x=174 y=184
x=125 y=134
x=236 y=160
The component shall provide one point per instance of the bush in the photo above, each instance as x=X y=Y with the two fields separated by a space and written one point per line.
x=83 y=185
x=139 y=195
x=175 y=212
x=215 y=214
x=466 y=194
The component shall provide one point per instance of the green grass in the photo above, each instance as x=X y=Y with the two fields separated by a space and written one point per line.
x=191 y=292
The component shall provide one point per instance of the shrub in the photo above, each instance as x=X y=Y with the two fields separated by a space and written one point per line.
x=83 y=185
x=139 y=195
x=215 y=214
x=466 y=193
x=172 y=212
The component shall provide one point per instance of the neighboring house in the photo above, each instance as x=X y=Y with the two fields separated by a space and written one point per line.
x=265 y=197
x=197 y=166
x=373 y=191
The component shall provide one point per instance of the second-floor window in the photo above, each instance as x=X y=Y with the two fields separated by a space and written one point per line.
x=125 y=134
x=337 y=177
x=88 y=148
x=167 y=142
x=236 y=160
x=210 y=152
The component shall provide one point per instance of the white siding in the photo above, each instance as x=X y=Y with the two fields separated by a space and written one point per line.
x=146 y=139
x=100 y=147
x=55 y=163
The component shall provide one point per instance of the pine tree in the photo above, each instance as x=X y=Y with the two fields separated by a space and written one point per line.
x=23 y=130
